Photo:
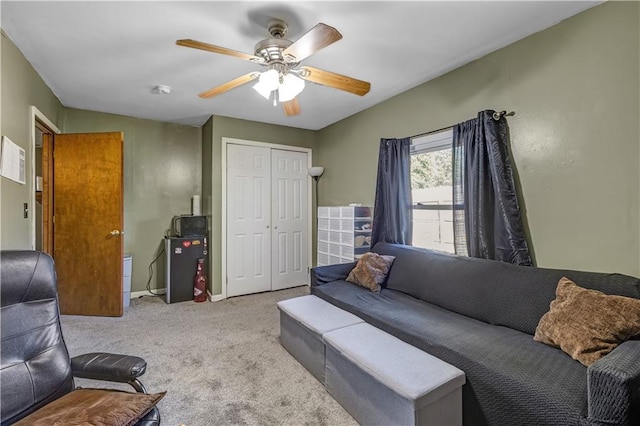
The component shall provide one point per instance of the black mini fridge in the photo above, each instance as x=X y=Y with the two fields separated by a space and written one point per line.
x=180 y=263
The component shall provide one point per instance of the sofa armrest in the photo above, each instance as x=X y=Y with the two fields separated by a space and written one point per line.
x=326 y=274
x=108 y=367
x=613 y=385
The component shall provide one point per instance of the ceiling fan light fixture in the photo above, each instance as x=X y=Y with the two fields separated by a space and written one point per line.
x=267 y=83
x=291 y=87
x=265 y=92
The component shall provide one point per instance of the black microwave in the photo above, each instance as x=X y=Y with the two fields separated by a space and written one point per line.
x=189 y=226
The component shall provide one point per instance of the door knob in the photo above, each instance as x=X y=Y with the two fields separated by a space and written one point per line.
x=115 y=232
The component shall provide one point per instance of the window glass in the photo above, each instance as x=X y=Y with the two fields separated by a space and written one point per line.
x=432 y=192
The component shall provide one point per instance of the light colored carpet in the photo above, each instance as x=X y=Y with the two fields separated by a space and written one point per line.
x=220 y=363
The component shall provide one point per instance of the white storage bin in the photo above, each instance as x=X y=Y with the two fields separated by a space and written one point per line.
x=334 y=237
x=346 y=251
x=127 y=264
x=362 y=240
x=334 y=213
x=362 y=212
x=335 y=259
x=362 y=225
x=334 y=224
x=346 y=224
x=323 y=247
x=323 y=212
x=346 y=212
x=346 y=237
x=334 y=249
x=323 y=235
x=323 y=259
x=323 y=223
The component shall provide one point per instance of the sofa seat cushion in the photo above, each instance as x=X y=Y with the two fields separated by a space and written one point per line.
x=510 y=377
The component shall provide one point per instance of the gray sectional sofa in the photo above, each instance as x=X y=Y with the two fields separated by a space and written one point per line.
x=480 y=316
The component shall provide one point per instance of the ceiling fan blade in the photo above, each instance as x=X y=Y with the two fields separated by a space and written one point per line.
x=338 y=81
x=291 y=107
x=218 y=90
x=217 y=49
x=315 y=39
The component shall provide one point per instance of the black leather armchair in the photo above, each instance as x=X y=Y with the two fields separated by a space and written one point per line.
x=35 y=365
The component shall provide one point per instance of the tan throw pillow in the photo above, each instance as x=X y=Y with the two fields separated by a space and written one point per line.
x=588 y=324
x=104 y=407
x=371 y=270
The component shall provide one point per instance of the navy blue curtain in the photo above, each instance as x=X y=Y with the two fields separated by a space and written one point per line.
x=393 y=212
x=489 y=225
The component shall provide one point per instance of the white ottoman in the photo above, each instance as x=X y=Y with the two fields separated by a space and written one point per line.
x=303 y=321
x=381 y=380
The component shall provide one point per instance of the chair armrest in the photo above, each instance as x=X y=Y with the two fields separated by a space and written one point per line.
x=326 y=274
x=109 y=367
x=613 y=386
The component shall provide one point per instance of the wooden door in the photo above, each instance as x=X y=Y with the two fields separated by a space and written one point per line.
x=289 y=219
x=248 y=219
x=88 y=222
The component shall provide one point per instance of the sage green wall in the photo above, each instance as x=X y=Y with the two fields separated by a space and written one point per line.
x=162 y=170
x=574 y=139
x=21 y=88
x=247 y=130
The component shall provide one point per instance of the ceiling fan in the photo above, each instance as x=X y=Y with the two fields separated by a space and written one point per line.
x=284 y=79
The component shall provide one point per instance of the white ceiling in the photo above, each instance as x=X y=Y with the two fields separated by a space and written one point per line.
x=107 y=56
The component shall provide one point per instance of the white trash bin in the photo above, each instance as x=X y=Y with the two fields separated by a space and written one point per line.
x=126 y=280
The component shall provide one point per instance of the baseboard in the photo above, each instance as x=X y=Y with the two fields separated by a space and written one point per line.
x=136 y=294
x=215 y=297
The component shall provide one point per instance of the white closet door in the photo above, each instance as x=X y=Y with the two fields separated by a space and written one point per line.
x=289 y=219
x=248 y=219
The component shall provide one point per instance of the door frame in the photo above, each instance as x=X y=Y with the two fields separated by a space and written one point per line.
x=223 y=254
x=36 y=115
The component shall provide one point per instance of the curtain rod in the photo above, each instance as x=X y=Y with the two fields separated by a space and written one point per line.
x=496 y=116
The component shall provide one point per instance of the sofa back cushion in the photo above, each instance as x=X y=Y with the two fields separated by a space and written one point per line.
x=491 y=291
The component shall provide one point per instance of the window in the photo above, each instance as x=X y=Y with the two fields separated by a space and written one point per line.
x=432 y=191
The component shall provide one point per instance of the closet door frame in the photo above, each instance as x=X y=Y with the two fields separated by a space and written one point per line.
x=223 y=252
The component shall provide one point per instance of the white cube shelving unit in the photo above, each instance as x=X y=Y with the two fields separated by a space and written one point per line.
x=344 y=233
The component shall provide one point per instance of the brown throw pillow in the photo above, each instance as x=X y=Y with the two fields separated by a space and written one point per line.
x=588 y=324
x=105 y=407
x=371 y=270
